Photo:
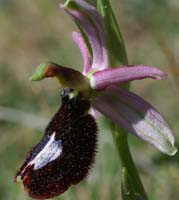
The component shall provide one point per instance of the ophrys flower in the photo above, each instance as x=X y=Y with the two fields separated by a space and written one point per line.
x=99 y=85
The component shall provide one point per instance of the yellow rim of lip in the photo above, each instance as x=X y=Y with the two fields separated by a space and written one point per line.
x=19 y=179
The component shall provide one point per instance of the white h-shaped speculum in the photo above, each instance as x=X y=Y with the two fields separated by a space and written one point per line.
x=49 y=153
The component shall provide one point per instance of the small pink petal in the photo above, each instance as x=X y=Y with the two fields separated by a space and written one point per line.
x=89 y=20
x=136 y=116
x=78 y=39
x=104 y=78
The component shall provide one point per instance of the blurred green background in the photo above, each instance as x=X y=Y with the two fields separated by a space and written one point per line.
x=34 y=31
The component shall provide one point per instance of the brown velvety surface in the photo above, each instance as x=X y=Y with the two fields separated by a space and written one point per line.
x=78 y=132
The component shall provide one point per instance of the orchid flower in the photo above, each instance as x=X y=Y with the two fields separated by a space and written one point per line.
x=102 y=83
x=66 y=152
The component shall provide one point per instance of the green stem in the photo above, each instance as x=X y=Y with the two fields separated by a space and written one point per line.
x=117 y=56
x=121 y=142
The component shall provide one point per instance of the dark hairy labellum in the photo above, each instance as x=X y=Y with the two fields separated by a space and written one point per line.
x=65 y=153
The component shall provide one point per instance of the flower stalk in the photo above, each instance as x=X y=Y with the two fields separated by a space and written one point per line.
x=117 y=56
x=126 y=161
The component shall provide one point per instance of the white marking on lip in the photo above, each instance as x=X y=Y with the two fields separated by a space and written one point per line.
x=50 y=152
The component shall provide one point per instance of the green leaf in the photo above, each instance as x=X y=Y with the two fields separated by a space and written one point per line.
x=127 y=189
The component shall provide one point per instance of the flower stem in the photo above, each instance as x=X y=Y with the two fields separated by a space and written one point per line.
x=117 y=56
x=121 y=142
